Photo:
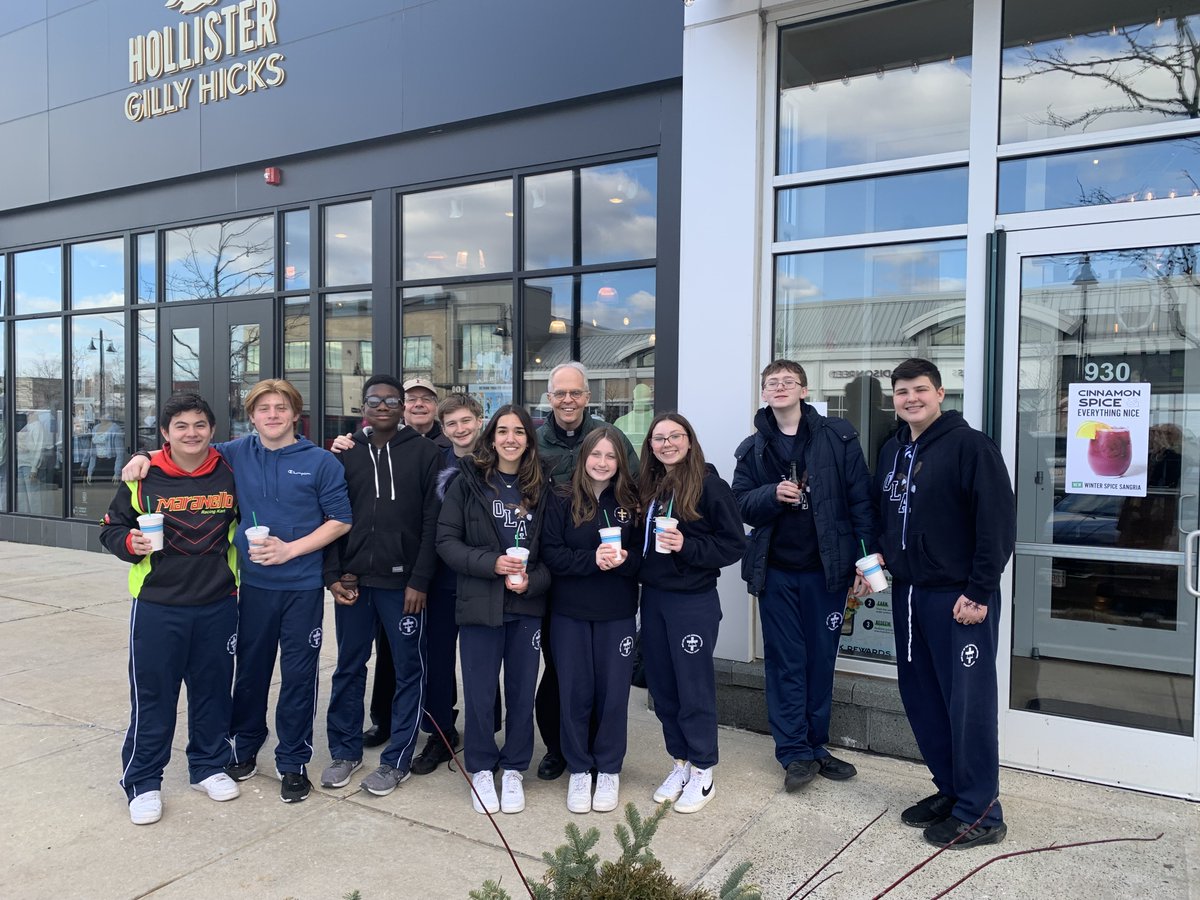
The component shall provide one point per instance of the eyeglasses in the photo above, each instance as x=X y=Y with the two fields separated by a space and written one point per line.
x=659 y=439
x=376 y=402
x=422 y=399
x=563 y=395
x=787 y=384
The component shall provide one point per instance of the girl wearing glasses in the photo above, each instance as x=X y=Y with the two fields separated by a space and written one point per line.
x=491 y=509
x=591 y=546
x=680 y=606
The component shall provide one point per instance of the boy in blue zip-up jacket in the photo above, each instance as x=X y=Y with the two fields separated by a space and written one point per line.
x=298 y=491
x=800 y=560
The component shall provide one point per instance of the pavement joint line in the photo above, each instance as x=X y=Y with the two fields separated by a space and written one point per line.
x=728 y=845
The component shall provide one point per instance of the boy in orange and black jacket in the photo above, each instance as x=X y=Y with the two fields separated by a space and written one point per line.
x=184 y=618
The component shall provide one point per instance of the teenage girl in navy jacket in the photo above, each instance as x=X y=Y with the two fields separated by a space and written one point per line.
x=681 y=609
x=593 y=610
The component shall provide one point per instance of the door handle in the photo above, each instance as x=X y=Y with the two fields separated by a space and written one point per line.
x=1179 y=523
x=1190 y=544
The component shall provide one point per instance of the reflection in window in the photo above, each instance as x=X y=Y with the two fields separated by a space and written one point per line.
x=297 y=350
x=296 y=250
x=1133 y=173
x=849 y=316
x=347 y=243
x=98 y=274
x=465 y=230
x=885 y=84
x=98 y=401
x=548 y=216
x=147 y=269
x=418 y=355
x=223 y=259
x=471 y=335
x=245 y=371
x=37 y=281
x=38 y=389
x=348 y=358
x=185 y=360
x=619 y=211
x=1084 y=66
x=3 y=407
x=147 y=394
x=890 y=203
x=550 y=327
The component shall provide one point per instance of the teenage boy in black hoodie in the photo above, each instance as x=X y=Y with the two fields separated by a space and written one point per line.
x=947 y=526
x=800 y=560
x=391 y=475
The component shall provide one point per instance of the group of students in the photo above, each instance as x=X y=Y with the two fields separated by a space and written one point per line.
x=546 y=544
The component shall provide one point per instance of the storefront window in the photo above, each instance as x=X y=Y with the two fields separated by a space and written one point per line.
x=98 y=403
x=296 y=265
x=347 y=244
x=37 y=277
x=147 y=269
x=890 y=203
x=3 y=407
x=548 y=224
x=466 y=230
x=98 y=274
x=348 y=358
x=297 y=350
x=618 y=211
x=470 y=331
x=1080 y=66
x=38 y=390
x=223 y=259
x=885 y=84
x=1133 y=173
x=147 y=382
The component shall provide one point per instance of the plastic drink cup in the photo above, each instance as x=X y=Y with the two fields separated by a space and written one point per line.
x=612 y=537
x=661 y=524
x=151 y=525
x=521 y=553
x=873 y=572
x=257 y=533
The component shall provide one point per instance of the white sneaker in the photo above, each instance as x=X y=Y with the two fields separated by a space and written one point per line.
x=485 y=790
x=579 y=792
x=146 y=809
x=607 y=788
x=219 y=787
x=512 y=794
x=673 y=786
x=698 y=791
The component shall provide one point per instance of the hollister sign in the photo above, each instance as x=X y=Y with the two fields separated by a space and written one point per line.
x=159 y=59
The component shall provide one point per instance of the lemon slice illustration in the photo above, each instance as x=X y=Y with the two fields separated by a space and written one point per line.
x=1089 y=428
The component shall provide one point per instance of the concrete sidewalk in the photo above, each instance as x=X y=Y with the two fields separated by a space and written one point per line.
x=66 y=833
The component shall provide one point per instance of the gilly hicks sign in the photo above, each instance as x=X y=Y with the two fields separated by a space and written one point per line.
x=238 y=30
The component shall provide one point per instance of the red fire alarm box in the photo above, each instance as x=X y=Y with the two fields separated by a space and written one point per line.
x=272 y=175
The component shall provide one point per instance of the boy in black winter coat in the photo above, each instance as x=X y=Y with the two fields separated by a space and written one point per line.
x=947 y=526
x=800 y=563
x=381 y=573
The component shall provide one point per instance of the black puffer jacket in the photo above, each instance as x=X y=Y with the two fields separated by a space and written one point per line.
x=468 y=543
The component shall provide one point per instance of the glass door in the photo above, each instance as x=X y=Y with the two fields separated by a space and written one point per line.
x=1102 y=327
x=221 y=351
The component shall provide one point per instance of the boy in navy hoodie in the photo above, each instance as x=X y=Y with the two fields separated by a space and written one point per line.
x=298 y=491
x=947 y=527
x=391 y=474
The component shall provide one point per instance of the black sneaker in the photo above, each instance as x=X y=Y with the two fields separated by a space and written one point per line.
x=240 y=771
x=933 y=809
x=375 y=736
x=836 y=769
x=293 y=787
x=799 y=773
x=551 y=766
x=964 y=834
x=434 y=753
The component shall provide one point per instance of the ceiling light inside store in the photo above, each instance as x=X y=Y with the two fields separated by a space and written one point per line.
x=625 y=320
x=509 y=213
x=341 y=235
x=460 y=259
x=456 y=208
x=435 y=255
x=557 y=326
x=606 y=292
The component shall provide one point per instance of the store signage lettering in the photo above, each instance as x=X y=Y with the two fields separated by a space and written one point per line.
x=236 y=31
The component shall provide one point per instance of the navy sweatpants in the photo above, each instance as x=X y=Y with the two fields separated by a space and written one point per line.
x=595 y=667
x=516 y=645
x=947 y=676
x=405 y=635
x=679 y=633
x=441 y=681
x=170 y=645
x=288 y=622
x=801 y=628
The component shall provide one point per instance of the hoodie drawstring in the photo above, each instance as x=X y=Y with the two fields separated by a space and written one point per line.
x=910 y=623
x=908 y=489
